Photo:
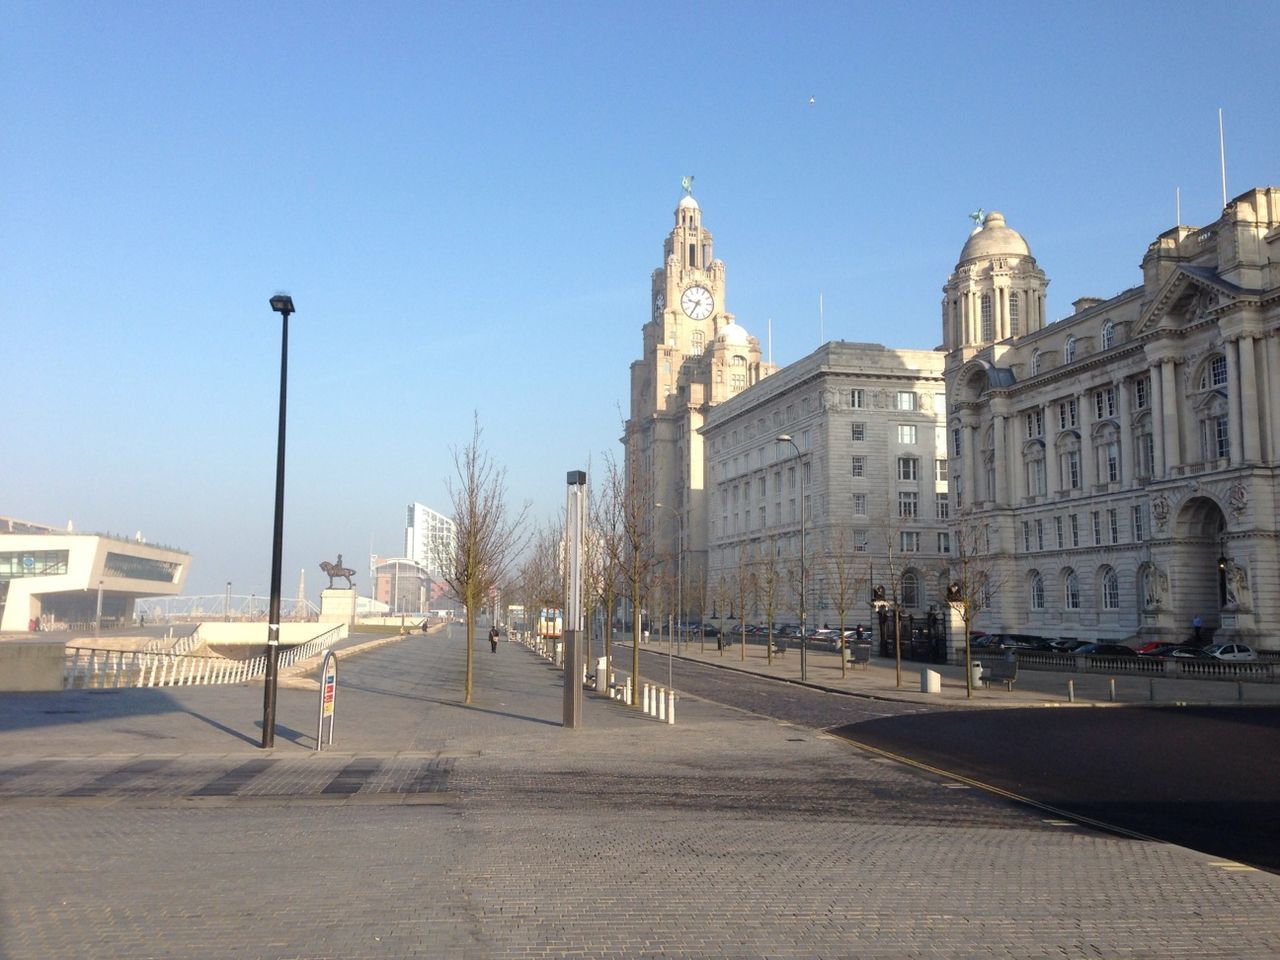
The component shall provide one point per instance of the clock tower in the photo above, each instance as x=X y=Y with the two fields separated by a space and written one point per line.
x=695 y=356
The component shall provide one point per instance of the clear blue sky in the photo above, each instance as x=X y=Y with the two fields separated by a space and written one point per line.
x=466 y=202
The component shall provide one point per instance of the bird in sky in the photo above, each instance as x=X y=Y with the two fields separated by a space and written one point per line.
x=812 y=101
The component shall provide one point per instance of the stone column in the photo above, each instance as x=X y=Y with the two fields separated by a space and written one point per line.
x=1002 y=465
x=1172 y=435
x=1249 y=425
x=1157 y=423
x=1088 y=472
x=1272 y=370
x=1126 y=435
x=1234 y=416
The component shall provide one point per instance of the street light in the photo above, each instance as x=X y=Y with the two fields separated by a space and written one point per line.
x=804 y=637
x=282 y=304
x=226 y=605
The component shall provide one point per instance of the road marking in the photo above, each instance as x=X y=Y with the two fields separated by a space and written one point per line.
x=1232 y=866
x=1059 y=823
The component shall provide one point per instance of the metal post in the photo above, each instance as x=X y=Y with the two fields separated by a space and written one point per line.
x=97 y=617
x=575 y=517
x=226 y=605
x=804 y=638
x=282 y=305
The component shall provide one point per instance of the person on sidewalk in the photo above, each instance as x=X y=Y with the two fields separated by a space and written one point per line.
x=493 y=639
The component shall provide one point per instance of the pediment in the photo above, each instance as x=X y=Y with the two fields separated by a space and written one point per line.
x=1190 y=294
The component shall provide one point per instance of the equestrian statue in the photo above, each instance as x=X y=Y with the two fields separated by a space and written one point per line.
x=338 y=570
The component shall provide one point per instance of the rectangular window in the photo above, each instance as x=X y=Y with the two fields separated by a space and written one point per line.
x=1139 y=527
x=906 y=400
x=1035 y=478
x=942 y=506
x=1039 y=534
x=1113 y=462
x=1142 y=392
x=940 y=471
x=1113 y=522
x=944 y=542
x=955 y=441
x=910 y=541
x=860 y=540
x=908 y=500
x=940 y=402
x=1057 y=526
x=1075 y=530
x=1104 y=402
x=859 y=432
x=859 y=466
x=1068 y=414
x=857 y=399
x=1146 y=448
x=1026 y=536
x=1073 y=470
x=1035 y=423
x=806 y=439
x=1097 y=528
x=906 y=433
x=761 y=518
x=908 y=468
x=859 y=504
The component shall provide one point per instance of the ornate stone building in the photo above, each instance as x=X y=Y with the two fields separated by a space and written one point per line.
x=871 y=478
x=1121 y=463
x=695 y=356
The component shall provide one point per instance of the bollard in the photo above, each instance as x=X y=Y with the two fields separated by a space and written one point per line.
x=1113 y=690
x=627 y=692
x=662 y=704
x=1240 y=690
x=671 y=706
x=1071 y=691
x=1152 y=690
x=645 y=695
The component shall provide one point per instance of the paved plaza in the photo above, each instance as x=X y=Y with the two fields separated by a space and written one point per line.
x=147 y=823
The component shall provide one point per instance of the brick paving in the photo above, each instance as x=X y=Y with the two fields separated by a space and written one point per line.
x=139 y=824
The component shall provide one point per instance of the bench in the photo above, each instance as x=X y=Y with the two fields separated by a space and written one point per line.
x=1001 y=671
x=858 y=655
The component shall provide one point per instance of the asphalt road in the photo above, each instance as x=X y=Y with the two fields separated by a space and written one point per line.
x=1200 y=777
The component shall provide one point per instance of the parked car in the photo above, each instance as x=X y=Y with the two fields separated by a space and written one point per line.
x=1182 y=651
x=1106 y=650
x=1018 y=641
x=1067 y=644
x=1234 y=652
x=1157 y=648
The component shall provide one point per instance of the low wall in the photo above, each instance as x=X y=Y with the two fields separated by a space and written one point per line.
x=28 y=665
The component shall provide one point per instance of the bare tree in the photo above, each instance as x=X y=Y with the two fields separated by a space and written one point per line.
x=743 y=586
x=486 y=538
x=634 y=558
x=975 y=579
x=848 y=573
x=724 y=601
x=607 y=535
x=768 y=579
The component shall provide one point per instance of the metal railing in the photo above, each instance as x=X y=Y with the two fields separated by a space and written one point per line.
x=93 y=668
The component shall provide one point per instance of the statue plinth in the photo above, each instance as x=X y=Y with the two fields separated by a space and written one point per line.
x=338 y=606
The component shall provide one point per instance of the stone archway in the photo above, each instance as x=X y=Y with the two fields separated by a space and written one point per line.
x=1199 y=532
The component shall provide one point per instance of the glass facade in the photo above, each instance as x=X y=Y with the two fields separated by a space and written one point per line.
x=140 y=568
x=32 y=563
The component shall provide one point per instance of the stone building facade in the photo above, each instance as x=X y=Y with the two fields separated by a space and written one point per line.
x=695 y=356
x=1121 y=463
x=871 y=478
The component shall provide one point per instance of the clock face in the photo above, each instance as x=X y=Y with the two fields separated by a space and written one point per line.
x=697 y=302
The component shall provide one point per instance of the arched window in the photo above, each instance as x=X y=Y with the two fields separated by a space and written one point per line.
x=988 y=327
x=739 y=360
x=1215 y=373
x=1070 y=590
x=1108 y=335
x=1037 y=590
x=1035 y=362
x=1110 y=589
x=1014 y=327
x=698 y=343
x=1069 y=351
x=910 y=589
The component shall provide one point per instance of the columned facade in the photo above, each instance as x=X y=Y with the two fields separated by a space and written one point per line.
x=1138 y=484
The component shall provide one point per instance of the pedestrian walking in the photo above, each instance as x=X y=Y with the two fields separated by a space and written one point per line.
x=493 y=639
x=1196 y=626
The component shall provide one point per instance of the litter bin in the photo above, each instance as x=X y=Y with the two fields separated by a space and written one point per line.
x=975 y=673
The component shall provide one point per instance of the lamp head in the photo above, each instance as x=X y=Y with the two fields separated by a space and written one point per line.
x=282 y=304
x=784 y=438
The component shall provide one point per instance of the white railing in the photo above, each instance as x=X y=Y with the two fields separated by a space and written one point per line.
x=88 y=667
x=1264 y=671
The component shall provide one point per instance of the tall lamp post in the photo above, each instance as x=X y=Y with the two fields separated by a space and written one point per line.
x=804 y=634
x=282 y=304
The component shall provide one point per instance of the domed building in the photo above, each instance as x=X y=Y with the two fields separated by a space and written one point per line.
x=1113 y=473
